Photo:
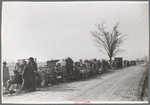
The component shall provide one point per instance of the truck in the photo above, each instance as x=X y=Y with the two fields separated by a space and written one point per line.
x=118 y=62
x=48 y=73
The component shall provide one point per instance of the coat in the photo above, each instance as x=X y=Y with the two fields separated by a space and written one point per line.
x=28 y=75
x=34 y=64
x=28 y=70
x=5 y=75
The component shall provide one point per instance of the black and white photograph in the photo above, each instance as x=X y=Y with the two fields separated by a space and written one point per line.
x=74 y=52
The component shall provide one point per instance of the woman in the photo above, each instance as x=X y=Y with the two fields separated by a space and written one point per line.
x=22 y=65
x=18 y=68
x=5 y=74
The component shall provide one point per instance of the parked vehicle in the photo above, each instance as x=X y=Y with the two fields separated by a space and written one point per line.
x=48 y=73
x=132 y=62
x=104 y=67
x=118 y=62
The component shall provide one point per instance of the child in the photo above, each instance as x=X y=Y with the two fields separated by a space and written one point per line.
x=16 y=80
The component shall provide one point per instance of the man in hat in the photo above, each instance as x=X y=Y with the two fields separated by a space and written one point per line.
x=69 y=67
x=34 y=64
x=27 y=75
x=5 y=74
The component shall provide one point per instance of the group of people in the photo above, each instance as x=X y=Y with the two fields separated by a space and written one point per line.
x=24 y=73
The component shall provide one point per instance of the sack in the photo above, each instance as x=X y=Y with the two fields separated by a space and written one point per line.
x=43 y=83
x=100 y=70
x=42 y=75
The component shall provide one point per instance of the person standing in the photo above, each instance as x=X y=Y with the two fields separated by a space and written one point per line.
x=34 y=65
x=18 y=68
x=5 y=74
x=27 y=75
x=69 y=67
x=81 y=62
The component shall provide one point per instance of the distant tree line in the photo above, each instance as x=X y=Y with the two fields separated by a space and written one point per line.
x=142 y=60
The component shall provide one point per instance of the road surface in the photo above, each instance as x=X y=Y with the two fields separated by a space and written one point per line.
x=116 y=85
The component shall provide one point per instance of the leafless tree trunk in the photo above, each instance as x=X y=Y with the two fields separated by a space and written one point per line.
x=108 y=42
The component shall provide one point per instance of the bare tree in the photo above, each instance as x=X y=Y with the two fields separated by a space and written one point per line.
x=145 y=58
x=108 y=42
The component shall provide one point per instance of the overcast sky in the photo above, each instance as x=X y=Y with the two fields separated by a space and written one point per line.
x=47 y=30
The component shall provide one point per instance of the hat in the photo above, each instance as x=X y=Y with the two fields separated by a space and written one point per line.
x=4 y=62
x=31 y=58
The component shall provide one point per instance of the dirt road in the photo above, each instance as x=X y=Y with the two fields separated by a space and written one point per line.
x=116 y=85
